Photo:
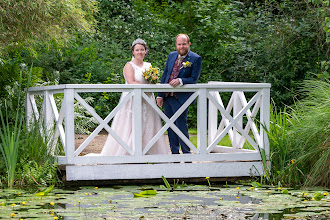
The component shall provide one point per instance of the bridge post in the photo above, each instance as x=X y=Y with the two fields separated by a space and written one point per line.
x=48 y=113
x=202 y=121
x=265 y=120
x=69 y=147
x=137 y=125
x=29 y=110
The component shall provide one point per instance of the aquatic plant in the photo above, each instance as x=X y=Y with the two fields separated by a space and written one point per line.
x=299 y=139
x=10 y=135
x=311 y=135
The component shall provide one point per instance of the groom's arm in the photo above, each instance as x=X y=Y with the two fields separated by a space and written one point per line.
x=162 y=80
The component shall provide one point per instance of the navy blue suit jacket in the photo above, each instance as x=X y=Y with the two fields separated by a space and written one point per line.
x=189 y=75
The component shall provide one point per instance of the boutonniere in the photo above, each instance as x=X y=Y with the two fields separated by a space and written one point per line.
x=186 y=64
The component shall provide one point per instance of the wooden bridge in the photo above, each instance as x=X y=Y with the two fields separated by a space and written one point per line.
x=241 y=120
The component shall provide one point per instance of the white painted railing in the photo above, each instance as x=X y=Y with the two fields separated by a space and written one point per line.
x=240 y=119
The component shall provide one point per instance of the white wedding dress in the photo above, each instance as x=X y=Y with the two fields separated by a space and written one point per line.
x=122 y=124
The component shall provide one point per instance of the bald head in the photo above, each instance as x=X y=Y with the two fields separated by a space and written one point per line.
x=184 y=36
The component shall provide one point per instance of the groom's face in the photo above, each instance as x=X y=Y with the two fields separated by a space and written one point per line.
x=182 y=45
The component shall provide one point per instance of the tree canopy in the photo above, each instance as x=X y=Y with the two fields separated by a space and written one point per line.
x=27 y=20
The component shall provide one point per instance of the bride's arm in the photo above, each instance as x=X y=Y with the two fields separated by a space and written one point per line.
x=129 y=74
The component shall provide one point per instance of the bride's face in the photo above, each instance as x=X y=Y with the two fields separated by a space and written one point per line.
x=139 y=51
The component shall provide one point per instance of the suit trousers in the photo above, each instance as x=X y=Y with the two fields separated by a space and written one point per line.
x=171 y=105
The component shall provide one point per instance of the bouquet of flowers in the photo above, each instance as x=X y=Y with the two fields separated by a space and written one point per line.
x=151 y=74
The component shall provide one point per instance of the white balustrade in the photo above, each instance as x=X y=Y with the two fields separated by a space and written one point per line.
x=242 y=119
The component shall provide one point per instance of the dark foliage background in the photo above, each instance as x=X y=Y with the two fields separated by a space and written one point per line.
x=278 y=42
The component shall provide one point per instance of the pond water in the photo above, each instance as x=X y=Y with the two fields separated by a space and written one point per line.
x=156 y=202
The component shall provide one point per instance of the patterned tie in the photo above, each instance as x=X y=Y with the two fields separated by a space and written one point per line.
x=176 y=68
x=175 y=72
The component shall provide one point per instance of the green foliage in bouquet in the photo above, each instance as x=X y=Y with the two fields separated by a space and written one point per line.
x=151 y=75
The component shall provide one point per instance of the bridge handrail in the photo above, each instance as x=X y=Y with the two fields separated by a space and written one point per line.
x=204 y=92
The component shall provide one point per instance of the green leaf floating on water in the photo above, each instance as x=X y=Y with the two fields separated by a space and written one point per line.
x=45 y=191
x=256 y=184
x=318 y=196
x=145 y=193
x=285 y=191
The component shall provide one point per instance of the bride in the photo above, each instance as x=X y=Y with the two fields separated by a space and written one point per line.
x=122 y=122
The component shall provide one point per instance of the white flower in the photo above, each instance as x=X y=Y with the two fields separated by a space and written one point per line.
x=186 y=64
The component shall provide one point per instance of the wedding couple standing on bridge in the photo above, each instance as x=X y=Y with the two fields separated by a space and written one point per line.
x=182 y=67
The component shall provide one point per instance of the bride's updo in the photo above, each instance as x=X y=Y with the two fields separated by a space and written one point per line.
x=140 y=41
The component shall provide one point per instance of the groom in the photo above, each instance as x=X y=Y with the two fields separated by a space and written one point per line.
x=182 y=67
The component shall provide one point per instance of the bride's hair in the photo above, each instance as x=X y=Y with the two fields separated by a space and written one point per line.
x=140 y=41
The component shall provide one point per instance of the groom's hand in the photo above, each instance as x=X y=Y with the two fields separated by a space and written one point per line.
x=159 y=101
x=175 y=82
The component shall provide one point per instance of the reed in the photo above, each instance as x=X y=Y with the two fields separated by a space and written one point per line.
x=10 y=136
x=312 y=134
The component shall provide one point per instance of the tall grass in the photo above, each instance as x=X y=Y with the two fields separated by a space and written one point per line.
x=25 y=151
x=299 y=139
x=10 y=137
x=312 y=134
x=280 y=142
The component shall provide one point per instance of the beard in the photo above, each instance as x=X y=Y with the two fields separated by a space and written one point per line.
x=183 y=52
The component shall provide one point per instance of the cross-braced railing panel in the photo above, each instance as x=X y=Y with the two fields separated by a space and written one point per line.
x=231 y=122
x=103 y=123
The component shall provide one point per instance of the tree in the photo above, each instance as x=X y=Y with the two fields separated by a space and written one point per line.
x=26 y=20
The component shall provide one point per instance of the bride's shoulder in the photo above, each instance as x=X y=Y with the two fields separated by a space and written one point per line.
x=147 y=64
x=128 y=65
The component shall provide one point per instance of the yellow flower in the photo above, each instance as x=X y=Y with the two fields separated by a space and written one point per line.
x=207 y=177
x=237 y=187
x=279 y=188
x=12 y=215
x=325 y=194
x=13 y=204
x=96 y=187
x=236 y=201
x=151 y=74
x=221 y=198
x=86 y=194
x=237 y=197
x=186 y=64
x=52 y=203
x=252 y=188
x=268 y=191
x=55 y=217
x=23 y=203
